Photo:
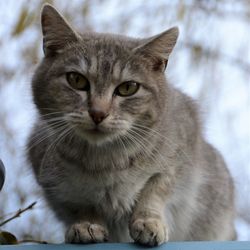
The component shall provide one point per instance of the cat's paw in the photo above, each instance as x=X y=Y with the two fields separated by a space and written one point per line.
x=86 y=232
x=149 y=231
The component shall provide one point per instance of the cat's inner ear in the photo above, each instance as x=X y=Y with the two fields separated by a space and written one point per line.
x=57 y=33
x=158 y=48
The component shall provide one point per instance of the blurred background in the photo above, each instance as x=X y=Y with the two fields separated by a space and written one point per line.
x=211 y=62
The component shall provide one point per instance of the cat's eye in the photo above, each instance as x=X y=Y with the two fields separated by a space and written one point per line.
x=127 y=88
x=77 y=81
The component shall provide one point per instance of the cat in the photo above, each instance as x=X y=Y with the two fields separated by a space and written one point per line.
x=118 y=151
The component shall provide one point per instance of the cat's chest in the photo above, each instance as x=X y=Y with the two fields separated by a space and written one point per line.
x=114 y=191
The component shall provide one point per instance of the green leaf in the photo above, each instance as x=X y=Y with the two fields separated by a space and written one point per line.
x=7 y=238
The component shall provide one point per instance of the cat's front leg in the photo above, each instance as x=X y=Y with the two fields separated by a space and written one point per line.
x=86 y=232
x=147 y=225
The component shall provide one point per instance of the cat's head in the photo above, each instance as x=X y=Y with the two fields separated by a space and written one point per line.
x=102 y=86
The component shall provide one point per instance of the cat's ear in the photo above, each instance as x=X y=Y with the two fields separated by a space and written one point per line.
x=57 y=33
x=158 y=48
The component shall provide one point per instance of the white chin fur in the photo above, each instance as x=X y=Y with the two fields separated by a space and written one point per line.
x=98 y=138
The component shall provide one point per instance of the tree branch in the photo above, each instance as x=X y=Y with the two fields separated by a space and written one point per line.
x=18 y=213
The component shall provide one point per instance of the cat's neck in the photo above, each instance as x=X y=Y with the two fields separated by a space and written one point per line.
x=110 y=155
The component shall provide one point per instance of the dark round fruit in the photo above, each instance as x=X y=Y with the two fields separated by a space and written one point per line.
x=2 y=174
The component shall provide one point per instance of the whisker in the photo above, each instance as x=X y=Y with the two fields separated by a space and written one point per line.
x=52 y=113
x=164 y=139
x=124 y=147
x=45 y=132
x=62 y=134
x=149 y=153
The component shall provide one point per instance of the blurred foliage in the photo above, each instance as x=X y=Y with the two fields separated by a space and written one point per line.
x=24 y=21
x=203 y=54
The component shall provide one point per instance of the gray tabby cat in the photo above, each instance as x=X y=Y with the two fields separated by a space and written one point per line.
x=118 y=151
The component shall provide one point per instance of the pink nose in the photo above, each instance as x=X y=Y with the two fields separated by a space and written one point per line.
x=97 y=115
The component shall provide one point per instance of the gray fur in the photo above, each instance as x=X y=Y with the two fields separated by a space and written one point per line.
x=149 y=175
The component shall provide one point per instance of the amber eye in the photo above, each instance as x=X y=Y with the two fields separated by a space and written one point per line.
x=77 y=81
x=127 y=88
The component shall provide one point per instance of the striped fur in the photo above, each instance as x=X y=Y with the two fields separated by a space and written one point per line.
x=145 y=173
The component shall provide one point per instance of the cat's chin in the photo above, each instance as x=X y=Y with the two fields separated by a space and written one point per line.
x=97 y=137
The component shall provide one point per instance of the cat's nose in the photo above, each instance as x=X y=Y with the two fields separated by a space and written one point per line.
x=97 y=115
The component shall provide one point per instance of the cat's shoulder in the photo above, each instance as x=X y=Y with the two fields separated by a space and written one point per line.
x=184 y=103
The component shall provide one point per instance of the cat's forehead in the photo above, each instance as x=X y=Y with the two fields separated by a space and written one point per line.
x=108 y=39
x=103 y=55
x=109 y=43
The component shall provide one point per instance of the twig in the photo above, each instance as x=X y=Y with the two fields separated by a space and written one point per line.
x=18 y=213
